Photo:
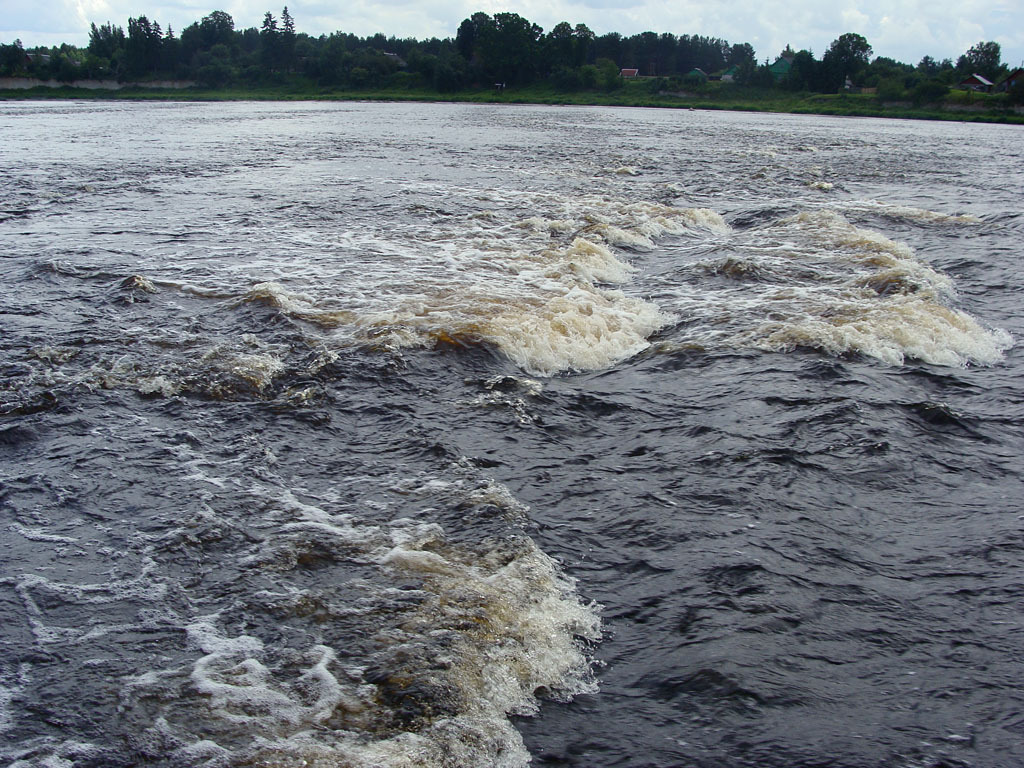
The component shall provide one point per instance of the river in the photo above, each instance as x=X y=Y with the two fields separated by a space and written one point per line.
x=355 y=434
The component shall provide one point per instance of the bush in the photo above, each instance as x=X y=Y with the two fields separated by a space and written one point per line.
x=657 y=85
x=567 y=79
x=608 y=75
x=891 y=89
x=589 y=77
x=447 y=79
x=1016 y=94
x=358 y=77
x=929 y=91
x=694 y=80
x=215 y=74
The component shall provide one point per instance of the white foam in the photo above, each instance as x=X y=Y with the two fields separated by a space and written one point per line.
x=500 y=280
x=891 y=331
x=11 y=684
x=157 y=385
x=37 y=534
x=911 y=213
x=578 y=330
x=816 y=280
x=258 y=367
x=484 y=628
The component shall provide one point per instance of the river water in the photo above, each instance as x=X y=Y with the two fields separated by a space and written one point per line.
x=465 y=435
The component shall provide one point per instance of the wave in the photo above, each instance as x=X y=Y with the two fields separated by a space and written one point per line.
x=547 y=306
x=814 y=280
x=457 y=637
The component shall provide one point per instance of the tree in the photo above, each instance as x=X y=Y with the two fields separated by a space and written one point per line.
x=608 y=74
x=884 y=69
x=929 y=92
x=104 y=41
x=170 y=51
x=1016 y=93
x=558 y=45
x=804 y=73
x=270 y=43
x=471 y=30
x=846 y=57
x=12 y=58
x=217 y=27
x=742 y=54
x=143 y=48
x=508 y=48
x=214 y=68
x=982 y=58
x=287 y=39
x=611 y=46
x=928 y=66
x=582 y=44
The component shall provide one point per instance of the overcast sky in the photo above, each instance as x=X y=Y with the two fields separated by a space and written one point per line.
x=904 y=30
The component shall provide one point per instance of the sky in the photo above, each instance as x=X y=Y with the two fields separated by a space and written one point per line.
x=905 y=30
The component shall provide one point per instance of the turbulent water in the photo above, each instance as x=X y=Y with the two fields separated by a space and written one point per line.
x=466 y=436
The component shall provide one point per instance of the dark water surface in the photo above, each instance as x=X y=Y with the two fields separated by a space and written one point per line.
x=449 y=435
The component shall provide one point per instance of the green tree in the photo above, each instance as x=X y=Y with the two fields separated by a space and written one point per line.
x=12 y=59
x=449 y=74
x=608 y=74
x=509 y=47
x=929 y=92
x=1016 y=93
x=143 y=48
x=214 y=66
x=742 y=54
x=583 y=44
x=106 y=40
x=270 y=43
x=287 y=41
x=471 y=30
x=928 y=66
x=170 y=52
x=612 y=46
x=846 y=57
x=558 y=46
x=982 y=58
x=804 y=73
x=217 y=27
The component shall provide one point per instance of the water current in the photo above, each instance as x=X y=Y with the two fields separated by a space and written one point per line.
x=466 y=435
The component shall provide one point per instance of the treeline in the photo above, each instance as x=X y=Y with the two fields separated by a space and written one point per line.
x=848 y=65
x=504 y=49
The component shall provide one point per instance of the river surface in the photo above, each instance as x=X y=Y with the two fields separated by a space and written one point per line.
x=467 y=435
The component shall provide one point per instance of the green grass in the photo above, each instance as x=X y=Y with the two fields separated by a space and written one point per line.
x=958 y=106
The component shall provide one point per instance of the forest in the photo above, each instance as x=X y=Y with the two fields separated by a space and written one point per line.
x=488 y=51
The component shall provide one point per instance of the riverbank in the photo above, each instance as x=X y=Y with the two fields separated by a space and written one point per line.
x=956 y=106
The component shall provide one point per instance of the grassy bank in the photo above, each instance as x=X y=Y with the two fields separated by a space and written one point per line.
x=958 y=106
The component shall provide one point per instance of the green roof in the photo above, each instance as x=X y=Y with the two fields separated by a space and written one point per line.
x=781 y=67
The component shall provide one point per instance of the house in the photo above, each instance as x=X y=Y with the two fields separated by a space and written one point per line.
x=782 y=64
x=696 y=74
x=629 y=74
x=729 y=76
x=1014 y=78
x=975 y=83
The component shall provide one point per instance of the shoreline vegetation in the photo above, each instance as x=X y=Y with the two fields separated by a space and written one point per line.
x=964 y=106
x=506 y=59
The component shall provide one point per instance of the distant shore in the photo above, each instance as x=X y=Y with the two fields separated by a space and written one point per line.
x=963 y=106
